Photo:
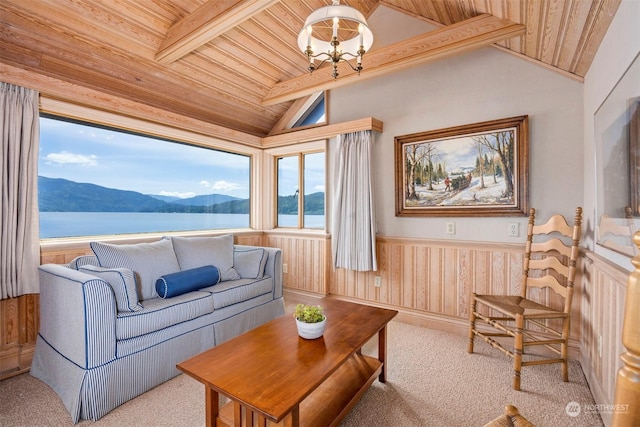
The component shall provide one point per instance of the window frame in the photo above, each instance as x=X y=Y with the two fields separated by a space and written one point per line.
x=301 y=149
x=73 y=112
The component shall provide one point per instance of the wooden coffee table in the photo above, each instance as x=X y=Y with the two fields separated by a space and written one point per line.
x=273 y=376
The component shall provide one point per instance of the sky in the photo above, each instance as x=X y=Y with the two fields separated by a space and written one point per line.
x=124 y=161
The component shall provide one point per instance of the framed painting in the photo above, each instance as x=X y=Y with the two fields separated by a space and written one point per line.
x=479 y=169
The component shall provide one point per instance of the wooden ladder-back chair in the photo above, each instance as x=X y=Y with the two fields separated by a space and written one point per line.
x=551 y=255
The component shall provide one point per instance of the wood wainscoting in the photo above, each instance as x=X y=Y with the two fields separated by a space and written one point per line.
x=19 y=322
x=603 y=301
x=428 y=281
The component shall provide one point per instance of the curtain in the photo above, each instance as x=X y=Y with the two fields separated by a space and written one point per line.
x=353 y=222
x=19 y=227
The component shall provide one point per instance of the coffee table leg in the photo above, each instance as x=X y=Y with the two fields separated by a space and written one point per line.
x=295 y=416
x=211 y=406
x=382 y=353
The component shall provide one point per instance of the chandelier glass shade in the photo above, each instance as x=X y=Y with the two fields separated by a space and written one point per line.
x=335 y=33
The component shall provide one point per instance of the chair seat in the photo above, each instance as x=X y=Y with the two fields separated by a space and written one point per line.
x=511 y=305
x=510 y=418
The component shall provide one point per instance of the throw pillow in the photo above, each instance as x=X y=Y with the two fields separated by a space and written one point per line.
x=250 y=263
x=121 y=281
x=195 y=252
x=181 y=282
x=148 y=261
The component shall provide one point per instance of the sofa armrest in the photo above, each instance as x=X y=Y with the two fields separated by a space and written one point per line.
x=77 y=315
x=273 y=267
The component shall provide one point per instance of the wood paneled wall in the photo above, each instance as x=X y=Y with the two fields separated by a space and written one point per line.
x=428 y=281
x=19 y=322
x=604 y=290
x=305 y=258
x=431 y=281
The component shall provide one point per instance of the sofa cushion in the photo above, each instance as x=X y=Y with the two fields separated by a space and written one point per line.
x=236 y=291
x=121 y=281
x=161 y=313
x=178 y=283
x=250 y=263
x=148 y=261
x=195 y=252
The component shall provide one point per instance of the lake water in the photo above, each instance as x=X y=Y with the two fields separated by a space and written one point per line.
x=74 y=224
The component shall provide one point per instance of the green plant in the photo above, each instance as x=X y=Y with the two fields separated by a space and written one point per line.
x=309 y=313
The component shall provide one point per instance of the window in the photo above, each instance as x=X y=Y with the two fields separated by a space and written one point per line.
x=97 y=180
x=314 y=114
x=306 y=171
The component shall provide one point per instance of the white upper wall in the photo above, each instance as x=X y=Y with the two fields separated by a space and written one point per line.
x=619 y=47
x=485 y=84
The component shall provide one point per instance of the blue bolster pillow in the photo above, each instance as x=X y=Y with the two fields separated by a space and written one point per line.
x=171 y=285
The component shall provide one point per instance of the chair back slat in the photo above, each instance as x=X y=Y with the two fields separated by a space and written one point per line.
x=556 y=224
x=548 y=282
x=551 y=245
x=551 y=262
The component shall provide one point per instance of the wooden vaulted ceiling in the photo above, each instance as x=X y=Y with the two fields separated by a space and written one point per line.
x=236 y=64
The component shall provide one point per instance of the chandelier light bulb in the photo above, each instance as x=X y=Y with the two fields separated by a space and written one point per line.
x=351 y=43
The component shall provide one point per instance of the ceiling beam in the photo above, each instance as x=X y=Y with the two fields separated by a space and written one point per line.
x=204 y=24
x=463 y=36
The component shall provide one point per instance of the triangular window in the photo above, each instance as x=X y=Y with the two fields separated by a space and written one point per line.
x=314 y=114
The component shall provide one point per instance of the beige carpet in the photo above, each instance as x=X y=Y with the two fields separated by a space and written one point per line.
x=432 y=381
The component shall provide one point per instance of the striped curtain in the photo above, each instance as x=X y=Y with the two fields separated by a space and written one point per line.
x=353 y=234
x=19 y=227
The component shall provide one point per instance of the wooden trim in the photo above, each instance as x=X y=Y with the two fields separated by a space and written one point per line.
x=470 y=34
x=92 y=115
x=322 y=132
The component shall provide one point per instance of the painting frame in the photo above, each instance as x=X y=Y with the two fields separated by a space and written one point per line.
x=451 y=192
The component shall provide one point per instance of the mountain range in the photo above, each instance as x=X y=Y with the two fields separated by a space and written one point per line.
x=62 y=195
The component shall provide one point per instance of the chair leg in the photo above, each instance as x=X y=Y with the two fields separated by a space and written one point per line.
x=518 y=346
x=564 y=350
x=472 y=322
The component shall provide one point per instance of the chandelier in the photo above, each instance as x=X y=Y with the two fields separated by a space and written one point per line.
x=335 y=33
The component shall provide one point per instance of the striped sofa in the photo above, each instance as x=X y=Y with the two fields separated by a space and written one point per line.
x=100 y=345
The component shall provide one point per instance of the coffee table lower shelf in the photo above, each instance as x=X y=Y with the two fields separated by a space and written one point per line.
x=332 y=400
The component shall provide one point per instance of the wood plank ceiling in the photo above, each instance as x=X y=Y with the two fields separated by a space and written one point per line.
x=236 y=63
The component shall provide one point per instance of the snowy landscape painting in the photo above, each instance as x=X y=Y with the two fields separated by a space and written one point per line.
x=470 y=170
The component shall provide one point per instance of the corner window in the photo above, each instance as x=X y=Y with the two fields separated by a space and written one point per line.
x=306 y=208
x=96 y=180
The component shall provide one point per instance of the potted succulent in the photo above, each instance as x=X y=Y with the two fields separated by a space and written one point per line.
x=310 y=321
